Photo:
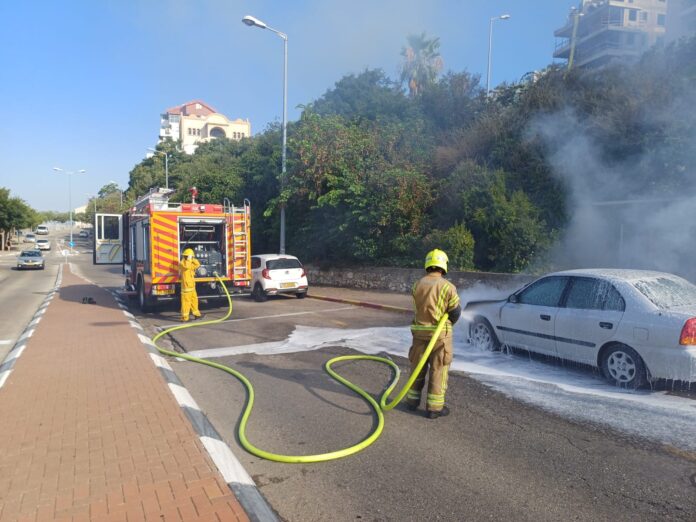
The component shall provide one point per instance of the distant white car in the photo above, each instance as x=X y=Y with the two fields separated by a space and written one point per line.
x=274 y=274
x=83 y=233
x=42 y=230
x=636 y=326
x=30 y=238
x=43 y=244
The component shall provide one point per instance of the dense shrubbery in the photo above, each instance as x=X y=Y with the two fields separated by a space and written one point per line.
x=378 y=174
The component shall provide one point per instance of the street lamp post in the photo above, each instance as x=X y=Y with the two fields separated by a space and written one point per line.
x=255 y=22
x=69 y=173
x=95 y=196
x=166 y=168
x=490 y=48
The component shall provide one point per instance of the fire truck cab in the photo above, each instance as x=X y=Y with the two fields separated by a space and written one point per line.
x=156 y=231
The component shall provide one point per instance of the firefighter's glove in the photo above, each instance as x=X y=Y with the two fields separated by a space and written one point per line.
x=455 y=314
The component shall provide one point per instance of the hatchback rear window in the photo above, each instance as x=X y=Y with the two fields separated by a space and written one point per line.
x=283 y=264
x=667 y=292
x=31 y=253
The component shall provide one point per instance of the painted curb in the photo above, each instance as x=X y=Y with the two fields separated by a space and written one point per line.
x=7 y=364
x=364 y=304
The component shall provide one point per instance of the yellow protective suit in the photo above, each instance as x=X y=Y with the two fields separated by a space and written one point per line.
x=189 y=297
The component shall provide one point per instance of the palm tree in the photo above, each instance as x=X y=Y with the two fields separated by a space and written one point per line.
x=422 y=62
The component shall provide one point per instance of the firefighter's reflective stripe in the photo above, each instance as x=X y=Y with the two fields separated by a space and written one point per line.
x=413 y=395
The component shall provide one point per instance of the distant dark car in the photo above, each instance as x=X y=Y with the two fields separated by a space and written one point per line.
x=30 y=259
x=83 y=234
x=636 y=326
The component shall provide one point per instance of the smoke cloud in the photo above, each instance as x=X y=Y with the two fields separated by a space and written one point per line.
x=616 y=219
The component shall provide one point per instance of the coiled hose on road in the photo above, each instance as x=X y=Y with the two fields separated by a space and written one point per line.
x=378 y=408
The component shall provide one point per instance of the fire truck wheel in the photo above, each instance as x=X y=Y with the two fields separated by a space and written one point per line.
x=258 y=294
x=143 y=301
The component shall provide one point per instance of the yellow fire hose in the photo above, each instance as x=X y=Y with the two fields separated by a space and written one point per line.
x=378 y=408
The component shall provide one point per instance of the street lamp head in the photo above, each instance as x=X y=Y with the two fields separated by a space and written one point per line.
x=57 y=169
x=505 y=17
x=252 y=21
x=82 y=171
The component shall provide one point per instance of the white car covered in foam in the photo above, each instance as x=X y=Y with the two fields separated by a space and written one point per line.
x=636 y=326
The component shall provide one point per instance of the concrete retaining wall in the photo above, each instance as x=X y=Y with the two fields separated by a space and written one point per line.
x=402 y=279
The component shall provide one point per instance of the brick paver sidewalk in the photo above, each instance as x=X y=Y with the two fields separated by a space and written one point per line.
x=90 y=431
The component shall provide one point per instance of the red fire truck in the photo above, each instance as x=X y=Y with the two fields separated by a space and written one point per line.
x=154 y=233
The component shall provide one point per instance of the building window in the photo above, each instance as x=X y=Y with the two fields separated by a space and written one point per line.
x=217 y=132
x=661 y=19
x=630 y=39
x=644 y=16
x=632 y=15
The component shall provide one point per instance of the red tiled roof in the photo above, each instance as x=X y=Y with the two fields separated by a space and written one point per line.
x=189 y=108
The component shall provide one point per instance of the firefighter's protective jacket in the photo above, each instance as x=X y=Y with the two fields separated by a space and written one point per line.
x=187 y=270
x=433 y=296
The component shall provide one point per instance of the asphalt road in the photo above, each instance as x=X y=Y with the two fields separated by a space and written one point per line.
x=21 y=293
x=492 y=458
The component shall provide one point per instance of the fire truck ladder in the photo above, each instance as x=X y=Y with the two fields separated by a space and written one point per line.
x=238 y=218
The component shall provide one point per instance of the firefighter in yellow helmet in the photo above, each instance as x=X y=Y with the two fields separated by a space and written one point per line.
x=433 y=296
x=189 y=298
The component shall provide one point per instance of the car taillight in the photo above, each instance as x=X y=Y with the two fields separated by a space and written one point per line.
x=688 y=333
x=265 y=273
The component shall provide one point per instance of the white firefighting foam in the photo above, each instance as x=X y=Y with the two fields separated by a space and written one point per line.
x=569 y=391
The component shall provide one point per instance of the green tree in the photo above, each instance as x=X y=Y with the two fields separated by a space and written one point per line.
x=15 y=214
x=421 y=63
x=458 y=242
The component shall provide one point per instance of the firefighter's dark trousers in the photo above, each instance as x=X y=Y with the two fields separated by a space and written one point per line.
x=437 y=369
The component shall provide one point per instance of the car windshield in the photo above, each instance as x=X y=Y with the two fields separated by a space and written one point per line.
x=284 y=263
x=31 y=253
x=667 y=292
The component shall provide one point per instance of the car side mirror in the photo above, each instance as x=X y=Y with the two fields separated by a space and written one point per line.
x=513 y=299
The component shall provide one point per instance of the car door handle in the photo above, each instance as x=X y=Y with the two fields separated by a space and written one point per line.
x=545 y=317
x=607 y=326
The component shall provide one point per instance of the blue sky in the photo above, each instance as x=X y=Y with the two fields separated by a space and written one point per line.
x=84 y=81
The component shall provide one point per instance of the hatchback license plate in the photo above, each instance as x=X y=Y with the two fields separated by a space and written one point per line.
x=287 y=285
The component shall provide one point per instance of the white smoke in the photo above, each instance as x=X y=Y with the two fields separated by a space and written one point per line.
x=611 y=223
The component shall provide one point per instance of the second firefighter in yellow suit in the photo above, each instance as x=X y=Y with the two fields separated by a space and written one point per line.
x=189 y=297
x=433 y=296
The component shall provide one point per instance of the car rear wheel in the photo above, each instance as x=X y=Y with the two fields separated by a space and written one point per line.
x=258 y=294
x=301 y=295
x=622 y=366
x=483 y=337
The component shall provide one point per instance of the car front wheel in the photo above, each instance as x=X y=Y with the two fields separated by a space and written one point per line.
x=622 y=366
x=483 y=337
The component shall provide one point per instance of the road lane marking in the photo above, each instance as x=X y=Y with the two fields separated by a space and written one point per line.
x=6 y=341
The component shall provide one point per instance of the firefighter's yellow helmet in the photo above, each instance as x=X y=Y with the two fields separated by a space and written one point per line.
x=187 y=252
x=436 y=258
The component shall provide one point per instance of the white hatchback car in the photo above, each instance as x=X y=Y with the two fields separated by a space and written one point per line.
x=636 y=326
x=274 y=274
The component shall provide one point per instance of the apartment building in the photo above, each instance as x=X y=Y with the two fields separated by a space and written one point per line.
x=600 y=31
x=681 y=19
x=197 y=122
